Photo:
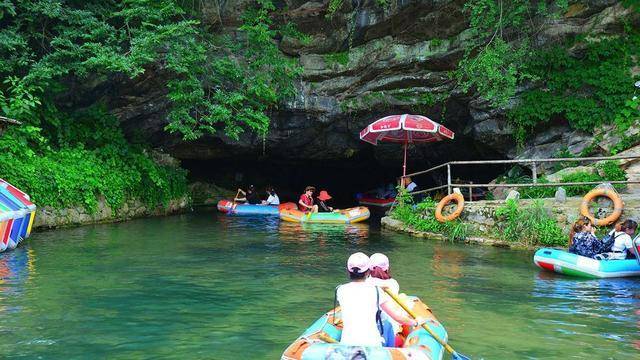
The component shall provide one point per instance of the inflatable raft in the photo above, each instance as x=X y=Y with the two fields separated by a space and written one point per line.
x=566 y=263
x=17 y=214
x=228 y=207
x=346 y=216
x=321 y=340
x=369 y=201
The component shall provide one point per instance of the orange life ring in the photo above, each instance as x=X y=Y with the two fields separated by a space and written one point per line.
x=458 y=198
x=618 y=205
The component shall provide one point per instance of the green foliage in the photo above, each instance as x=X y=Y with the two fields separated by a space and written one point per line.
x=422 y=218
x=494 y=72
x=589 y=91
x=531 y=225
x=403 y=198
x=214 y=84
x=65 y=157
x=605 y=171
x=334 y=5
x=88 y=165
x=588 y=88
x=341 y=58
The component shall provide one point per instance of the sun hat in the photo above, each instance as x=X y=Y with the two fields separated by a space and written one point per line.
x=309 y=188
x=379 y=260
x=324 y=195
x=358 y=262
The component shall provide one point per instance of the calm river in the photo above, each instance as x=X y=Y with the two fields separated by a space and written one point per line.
x=207 y=286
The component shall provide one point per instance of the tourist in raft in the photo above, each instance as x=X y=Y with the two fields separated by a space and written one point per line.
x=273 y=198
x=360 y=304
x=305 y=204
x=380 y=276
x=623 y=244
x=320 y=201
x=249 y=196
x=582 y=239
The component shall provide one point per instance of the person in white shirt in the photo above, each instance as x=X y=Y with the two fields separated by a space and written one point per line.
x=273 y=198
x=623 y=242
x=360 y=304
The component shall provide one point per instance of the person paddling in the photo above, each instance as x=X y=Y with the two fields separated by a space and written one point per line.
x=305 y=204
x=250 y=196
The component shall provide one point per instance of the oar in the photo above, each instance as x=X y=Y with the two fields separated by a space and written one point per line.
x=454 y=355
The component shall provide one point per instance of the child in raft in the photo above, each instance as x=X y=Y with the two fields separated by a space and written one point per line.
x=360 y=304
x=582 y=239
x=380 y=276
x=305 y=204
x=623 y=243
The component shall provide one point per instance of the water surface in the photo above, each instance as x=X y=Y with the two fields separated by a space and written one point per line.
x=207 y=286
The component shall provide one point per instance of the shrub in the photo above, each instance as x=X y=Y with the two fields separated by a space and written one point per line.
x=531 y=225
x=422 y=218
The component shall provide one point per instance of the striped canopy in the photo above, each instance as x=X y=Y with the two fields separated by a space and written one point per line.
x=405 y=128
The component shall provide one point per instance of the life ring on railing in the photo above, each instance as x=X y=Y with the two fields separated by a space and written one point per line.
x=458 y=198
x=618 y=205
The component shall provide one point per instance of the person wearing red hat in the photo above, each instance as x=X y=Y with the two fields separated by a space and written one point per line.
x=320 y=201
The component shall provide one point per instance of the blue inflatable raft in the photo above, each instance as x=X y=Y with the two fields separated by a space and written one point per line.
x=321 y=340
x=566 y=263
x=231 y=208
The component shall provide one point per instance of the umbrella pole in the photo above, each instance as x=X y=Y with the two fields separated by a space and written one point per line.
x=404 y=164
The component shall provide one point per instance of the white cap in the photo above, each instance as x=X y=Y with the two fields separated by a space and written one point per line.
x=359 y=261
x=379 y=260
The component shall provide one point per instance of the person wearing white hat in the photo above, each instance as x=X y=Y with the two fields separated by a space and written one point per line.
x=360 y=304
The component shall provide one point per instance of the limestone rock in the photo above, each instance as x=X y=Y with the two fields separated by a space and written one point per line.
x=513 y=195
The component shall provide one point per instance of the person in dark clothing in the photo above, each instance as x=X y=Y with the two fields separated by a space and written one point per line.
x=320 y=201
x=583 y=240
x=250 y=196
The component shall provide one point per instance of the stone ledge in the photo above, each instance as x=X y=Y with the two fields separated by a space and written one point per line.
x=397 y=225
x=50 y=218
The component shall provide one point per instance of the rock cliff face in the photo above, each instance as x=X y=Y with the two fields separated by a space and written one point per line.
x=364 y=62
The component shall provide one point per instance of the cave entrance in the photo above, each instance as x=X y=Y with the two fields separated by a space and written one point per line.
x=343 y=179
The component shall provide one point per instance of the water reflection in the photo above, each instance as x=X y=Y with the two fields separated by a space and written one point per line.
x=356 y=234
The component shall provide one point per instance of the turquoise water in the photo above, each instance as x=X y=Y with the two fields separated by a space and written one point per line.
x=207 y=286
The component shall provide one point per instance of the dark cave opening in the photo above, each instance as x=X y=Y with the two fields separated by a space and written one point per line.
x=368 y=169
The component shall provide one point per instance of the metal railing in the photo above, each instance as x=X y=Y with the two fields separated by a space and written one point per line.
x=533 y=163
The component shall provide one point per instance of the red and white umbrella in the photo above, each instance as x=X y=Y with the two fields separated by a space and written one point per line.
x=405 y=129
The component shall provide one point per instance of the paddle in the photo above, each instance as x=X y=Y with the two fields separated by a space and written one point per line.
x=454 y=355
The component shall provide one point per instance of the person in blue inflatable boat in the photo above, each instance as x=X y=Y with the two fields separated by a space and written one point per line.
x=250 y=196
x=273 y=198
x=622 y=243
x=360 y=305
x=582 y=239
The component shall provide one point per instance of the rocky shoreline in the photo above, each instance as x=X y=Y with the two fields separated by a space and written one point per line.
x=481 y=218
x=51 y=218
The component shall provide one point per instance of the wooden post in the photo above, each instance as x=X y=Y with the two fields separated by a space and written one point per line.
x=448 y=179
x=471 y=191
